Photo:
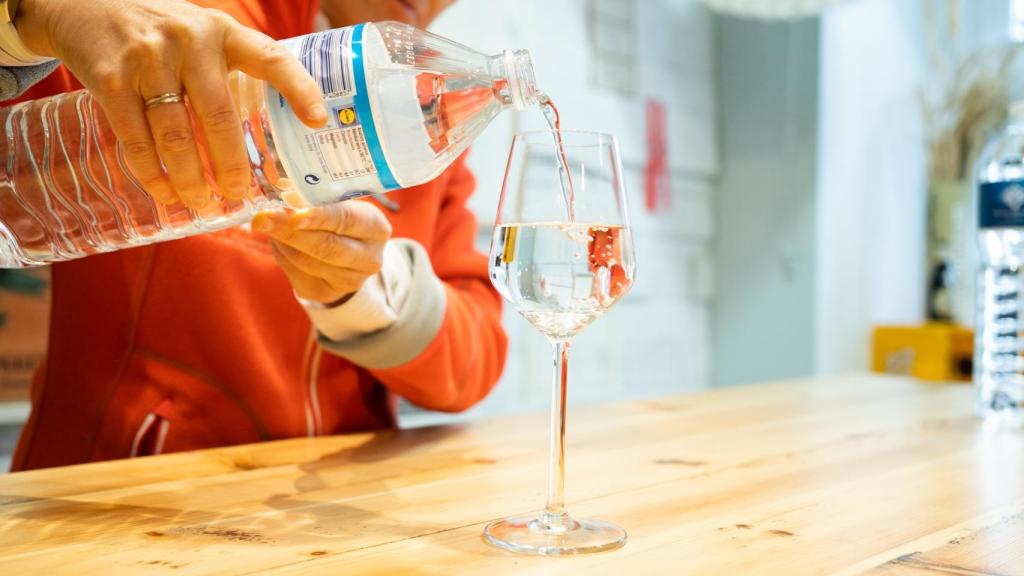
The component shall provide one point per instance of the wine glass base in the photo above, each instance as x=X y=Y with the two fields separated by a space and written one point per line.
x=528 y=535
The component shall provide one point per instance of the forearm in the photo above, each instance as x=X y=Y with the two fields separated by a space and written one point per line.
x=446 y=348
x=465 y=359
x=414 y=322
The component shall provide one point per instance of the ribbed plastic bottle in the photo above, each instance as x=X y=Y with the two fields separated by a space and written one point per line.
x=999 y=327
x=402 y=105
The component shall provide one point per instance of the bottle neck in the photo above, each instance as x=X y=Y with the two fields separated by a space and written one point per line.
x=514 y=83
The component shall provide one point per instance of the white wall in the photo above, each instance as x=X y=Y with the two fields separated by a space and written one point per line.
x=870 y=193
x=871 y=178
x=764 y=256
x=657 y=340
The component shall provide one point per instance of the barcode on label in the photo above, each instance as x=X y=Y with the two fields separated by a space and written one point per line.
x=326 y=57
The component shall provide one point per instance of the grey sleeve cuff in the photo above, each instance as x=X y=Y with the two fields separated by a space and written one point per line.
x=417 y=324
x=14 y=80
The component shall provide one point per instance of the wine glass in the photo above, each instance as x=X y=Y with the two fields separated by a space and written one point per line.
x=561 y=255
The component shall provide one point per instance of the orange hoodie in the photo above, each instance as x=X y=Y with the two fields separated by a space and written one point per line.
x=200 y=342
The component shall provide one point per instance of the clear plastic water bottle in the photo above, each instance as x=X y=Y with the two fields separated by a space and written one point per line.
x=999 y=342
x=402 y=105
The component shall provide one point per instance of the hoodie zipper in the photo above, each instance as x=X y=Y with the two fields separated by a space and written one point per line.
x=311 y=373
x=162 y=426
x=314 y=394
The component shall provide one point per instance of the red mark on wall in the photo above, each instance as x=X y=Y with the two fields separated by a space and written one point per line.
x=657 y=184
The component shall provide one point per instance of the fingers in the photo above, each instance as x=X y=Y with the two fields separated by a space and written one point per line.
x=305 y=286
x=351 y=235
x=258 y=55
x=187 y=50
x=312 y=279
x=211 y=102
x=171 y=126
x=329 y=249
x=129 y=123
x=360 y=220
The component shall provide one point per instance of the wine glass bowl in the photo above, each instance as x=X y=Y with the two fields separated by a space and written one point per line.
x=561 y=272
x=561 y=255
x=562 y=276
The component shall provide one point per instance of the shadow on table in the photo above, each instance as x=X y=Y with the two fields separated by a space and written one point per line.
x=341 y=503
x=374 y=516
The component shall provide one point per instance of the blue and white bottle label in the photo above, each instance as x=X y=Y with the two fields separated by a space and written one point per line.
x=1001 y=204
x=343 y=159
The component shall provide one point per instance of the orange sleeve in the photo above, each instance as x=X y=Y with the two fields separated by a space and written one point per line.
x=466 y=357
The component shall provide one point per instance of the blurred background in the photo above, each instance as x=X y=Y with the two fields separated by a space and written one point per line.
x=799 y=176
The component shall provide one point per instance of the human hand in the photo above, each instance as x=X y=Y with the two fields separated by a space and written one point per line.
x=327 y=252
x=128 y=51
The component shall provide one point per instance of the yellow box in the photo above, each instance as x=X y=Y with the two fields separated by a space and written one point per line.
x=930 y=352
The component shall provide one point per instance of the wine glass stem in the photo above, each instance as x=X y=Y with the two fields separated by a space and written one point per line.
x=555 y=516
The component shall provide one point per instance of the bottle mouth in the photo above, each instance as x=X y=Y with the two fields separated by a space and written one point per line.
x=518 y=70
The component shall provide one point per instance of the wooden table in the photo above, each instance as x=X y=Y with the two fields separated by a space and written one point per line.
x=840 y=475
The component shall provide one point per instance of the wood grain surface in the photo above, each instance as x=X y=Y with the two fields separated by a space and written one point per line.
x=846 y=475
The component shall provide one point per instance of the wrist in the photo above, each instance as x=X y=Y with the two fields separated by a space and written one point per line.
x=318 y=305
x=31 y=21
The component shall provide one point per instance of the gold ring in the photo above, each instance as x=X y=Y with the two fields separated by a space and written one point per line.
x=165 y=98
